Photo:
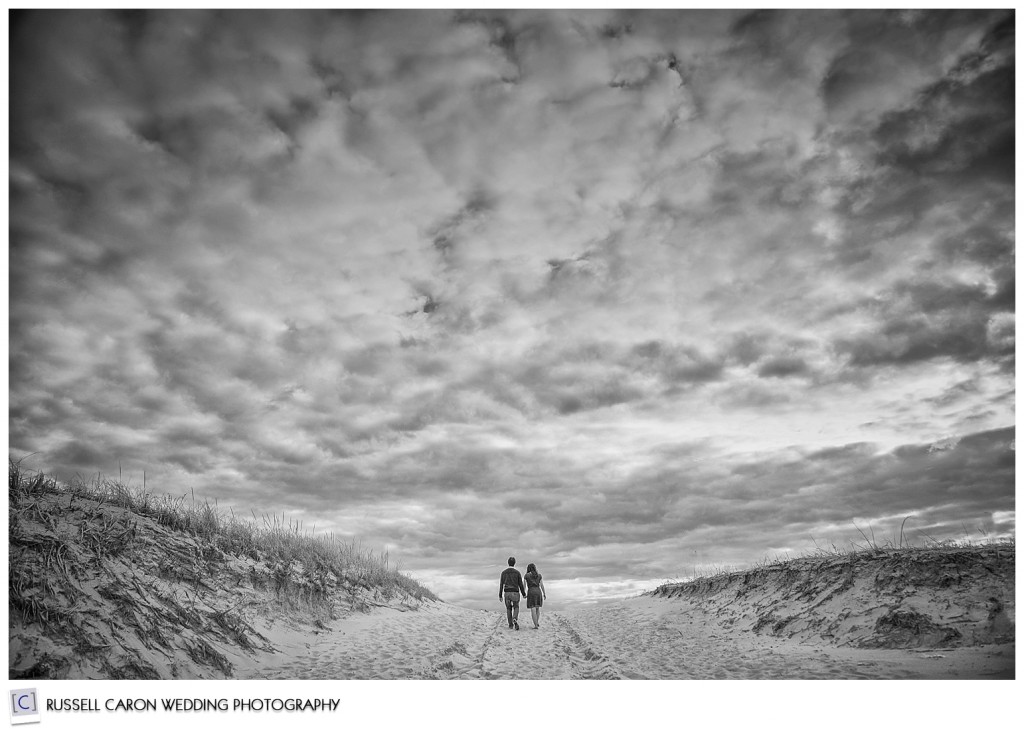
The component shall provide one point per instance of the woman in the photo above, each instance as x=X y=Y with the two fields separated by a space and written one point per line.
x=535 y=594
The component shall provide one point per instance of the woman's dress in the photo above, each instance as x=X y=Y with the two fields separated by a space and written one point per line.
x=534 y=596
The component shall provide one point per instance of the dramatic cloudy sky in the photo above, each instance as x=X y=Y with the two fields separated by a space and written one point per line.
x=630 y=295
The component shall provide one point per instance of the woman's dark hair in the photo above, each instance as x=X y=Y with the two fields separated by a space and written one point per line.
x=531 y=568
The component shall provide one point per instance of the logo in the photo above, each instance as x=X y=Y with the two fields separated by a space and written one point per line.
x=24 y=709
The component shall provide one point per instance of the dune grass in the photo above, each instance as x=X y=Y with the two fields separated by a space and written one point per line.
x=868 y=545
x=305 y=562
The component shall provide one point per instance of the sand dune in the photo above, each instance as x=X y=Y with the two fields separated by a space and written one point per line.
x=100 y=590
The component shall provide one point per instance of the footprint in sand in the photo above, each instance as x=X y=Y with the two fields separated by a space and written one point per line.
x=555 y=651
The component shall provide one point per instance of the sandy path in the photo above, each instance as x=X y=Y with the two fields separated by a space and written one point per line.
x=641 y=638
x=437 y=641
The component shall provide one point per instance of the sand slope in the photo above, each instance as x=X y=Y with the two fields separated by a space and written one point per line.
x=657 y=638
x=911 y=598
x=98 y=591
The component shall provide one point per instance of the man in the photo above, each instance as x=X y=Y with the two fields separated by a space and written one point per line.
x=509 y=590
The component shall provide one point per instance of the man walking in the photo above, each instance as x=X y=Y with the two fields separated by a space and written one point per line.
x=509 y=590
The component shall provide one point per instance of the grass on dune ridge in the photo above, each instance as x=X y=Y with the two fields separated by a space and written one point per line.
x=300 y=554
x=865 y=548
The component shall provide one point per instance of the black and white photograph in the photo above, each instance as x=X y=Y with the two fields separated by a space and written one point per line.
x=523 y=344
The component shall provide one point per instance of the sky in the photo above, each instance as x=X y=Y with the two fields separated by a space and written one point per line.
x=634 y=296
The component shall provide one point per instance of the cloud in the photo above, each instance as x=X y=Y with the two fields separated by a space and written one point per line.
x=630 y=283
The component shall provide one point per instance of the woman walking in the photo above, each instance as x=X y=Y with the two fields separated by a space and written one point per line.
x=535 y=594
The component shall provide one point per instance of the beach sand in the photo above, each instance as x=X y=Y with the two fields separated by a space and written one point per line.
x=638 y=638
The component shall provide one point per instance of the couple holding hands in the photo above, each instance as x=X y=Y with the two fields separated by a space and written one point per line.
x=511 y=586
